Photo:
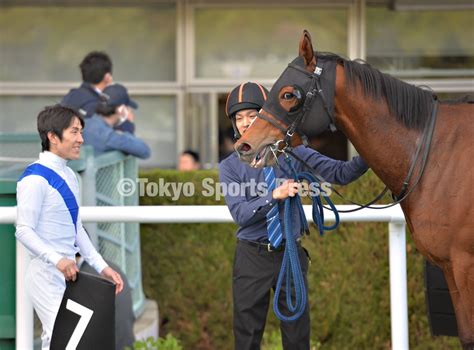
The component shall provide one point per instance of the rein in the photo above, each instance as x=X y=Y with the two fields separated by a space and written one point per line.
x=320 y=178
x=425 y=144
x=290 y=268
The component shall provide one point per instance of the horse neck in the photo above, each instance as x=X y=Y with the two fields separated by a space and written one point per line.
x=385 y=144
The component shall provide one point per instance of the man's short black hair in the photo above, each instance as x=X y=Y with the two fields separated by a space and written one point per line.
x=55 y=119
x=193 y=155
x=94 y=67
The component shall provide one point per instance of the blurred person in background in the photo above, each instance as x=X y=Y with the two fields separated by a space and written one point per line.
x=111 y=113
x=189 y=160
x=226 y=143
x=96 y=70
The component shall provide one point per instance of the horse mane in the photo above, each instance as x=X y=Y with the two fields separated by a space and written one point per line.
x=411 y=105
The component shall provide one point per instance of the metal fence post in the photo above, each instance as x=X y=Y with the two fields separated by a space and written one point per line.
x=24 y=306
x=398 y=285
x=132 y=239
x=89 y=191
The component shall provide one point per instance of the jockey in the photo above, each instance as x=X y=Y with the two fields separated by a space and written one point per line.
x=48 y=220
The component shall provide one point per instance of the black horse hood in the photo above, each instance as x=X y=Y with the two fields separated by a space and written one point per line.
x=319 y=116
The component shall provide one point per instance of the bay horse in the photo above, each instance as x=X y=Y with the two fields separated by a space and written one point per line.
x=388 y=121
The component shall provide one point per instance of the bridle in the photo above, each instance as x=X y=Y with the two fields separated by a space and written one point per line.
x=302 y=110
x=306 y=100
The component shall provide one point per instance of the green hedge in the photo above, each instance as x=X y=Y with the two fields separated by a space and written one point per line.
x=187 y=269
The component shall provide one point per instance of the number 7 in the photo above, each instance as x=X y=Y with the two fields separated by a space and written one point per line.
x=86 y=315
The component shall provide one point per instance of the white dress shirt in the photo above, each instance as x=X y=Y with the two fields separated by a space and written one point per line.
x=44 y=225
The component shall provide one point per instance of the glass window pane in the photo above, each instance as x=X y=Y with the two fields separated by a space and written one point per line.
x=421 y=43
x=155 y=121
x=237 y=43
x=18 y=116
x=48 y=43
x=18 y=113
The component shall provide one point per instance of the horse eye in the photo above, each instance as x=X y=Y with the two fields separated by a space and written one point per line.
x=288 y=95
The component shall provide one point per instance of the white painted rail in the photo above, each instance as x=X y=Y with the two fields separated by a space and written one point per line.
x=220 y=214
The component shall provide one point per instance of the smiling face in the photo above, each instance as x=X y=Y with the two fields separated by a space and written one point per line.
x=69 y=146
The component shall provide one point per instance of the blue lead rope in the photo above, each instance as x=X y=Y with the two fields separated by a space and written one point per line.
x=296 y=296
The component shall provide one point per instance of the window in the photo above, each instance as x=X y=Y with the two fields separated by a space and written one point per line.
x=155 y=122
x=18 y=113
x=47 y=43
x=421 y=44
x=259 y=42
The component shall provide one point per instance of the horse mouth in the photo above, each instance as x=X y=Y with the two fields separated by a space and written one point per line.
x=262 y=158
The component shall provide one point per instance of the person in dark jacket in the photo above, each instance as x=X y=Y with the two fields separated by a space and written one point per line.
x=257 y=263
x=96 y=70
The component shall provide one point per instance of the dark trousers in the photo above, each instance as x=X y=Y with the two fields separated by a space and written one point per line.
x=255 y=273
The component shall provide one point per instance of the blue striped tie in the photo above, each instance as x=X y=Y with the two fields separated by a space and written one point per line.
x=273 y=218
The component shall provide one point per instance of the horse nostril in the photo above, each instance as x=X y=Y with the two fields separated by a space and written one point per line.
x=244 y=147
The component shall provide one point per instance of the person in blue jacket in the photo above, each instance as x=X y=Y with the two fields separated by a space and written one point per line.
x=256 y=262
x=99 y=129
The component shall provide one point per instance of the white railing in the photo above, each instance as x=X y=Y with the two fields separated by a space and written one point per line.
x=220 y=214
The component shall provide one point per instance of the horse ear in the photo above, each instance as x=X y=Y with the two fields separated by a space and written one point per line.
x=306 y=47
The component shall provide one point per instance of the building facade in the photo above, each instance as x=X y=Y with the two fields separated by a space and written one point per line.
x=179 y=58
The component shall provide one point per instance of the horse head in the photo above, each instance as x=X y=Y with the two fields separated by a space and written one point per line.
x=300 y=91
